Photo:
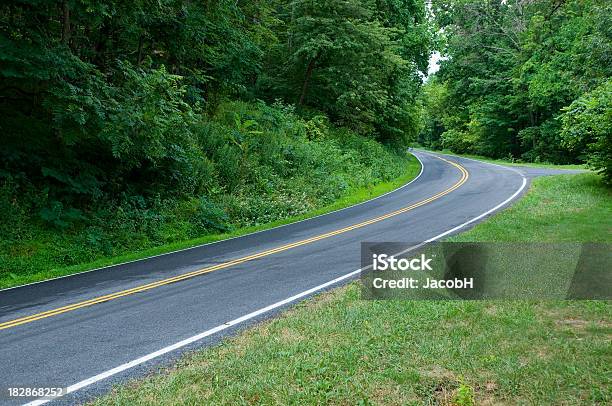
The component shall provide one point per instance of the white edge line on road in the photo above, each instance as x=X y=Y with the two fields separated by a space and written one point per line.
x=214 y=330
x=225 y=239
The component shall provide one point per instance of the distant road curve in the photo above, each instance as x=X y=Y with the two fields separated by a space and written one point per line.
x=91 y=330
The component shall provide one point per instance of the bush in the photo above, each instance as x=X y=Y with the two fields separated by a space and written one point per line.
x=458 y=141
x=587 y=128
x=248 y=164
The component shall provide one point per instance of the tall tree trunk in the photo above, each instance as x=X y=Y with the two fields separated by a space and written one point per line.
x=139 y=53
x=291 y=28
x=65 y=22
x=311 y=66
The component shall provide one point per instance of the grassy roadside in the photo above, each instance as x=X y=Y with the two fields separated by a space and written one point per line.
x=507 y=162
x=355 y=196
x=557 y=208
x=339 y=349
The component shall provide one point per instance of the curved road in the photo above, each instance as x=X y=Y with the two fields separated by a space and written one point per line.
x=91 y=330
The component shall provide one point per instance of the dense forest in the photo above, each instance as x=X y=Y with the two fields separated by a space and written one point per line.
x=127 y=125
x=523 y=79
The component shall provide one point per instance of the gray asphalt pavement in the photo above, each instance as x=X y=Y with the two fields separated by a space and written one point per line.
x=66 y=348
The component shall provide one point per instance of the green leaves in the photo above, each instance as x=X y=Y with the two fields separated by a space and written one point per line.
x=354 y=60
x=148 y=119
x=109 y=101
x=512 y=67
x=60 y=217
x=587 y=126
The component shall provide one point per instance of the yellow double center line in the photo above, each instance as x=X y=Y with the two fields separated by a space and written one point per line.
x=188 y=275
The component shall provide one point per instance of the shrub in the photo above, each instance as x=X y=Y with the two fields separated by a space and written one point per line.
x=248 y=164
x=587 y=128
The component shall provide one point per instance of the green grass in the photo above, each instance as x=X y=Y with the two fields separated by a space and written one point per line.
x=354 y=196
x=508 y=162
x=557 y=208
x=339 y=349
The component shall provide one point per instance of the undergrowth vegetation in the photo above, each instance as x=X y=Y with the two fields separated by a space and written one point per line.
x=250 y=164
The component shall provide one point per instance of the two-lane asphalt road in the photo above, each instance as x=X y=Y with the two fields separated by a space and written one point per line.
x=89 y=330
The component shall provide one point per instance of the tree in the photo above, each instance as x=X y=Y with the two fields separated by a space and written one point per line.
x=587 y=128
x=98 y=96
x=514 y=65
x=354 y=60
